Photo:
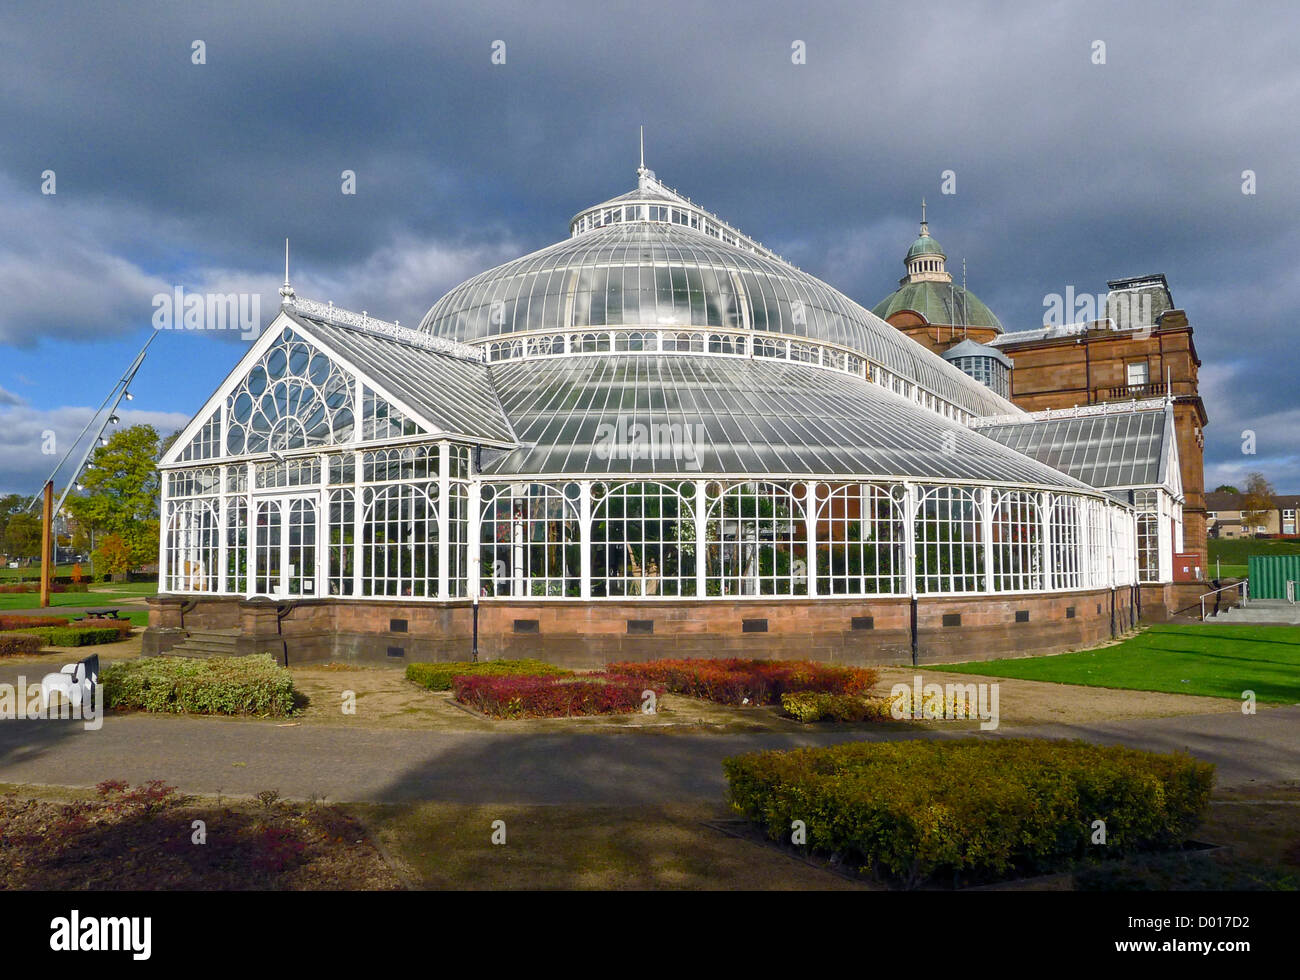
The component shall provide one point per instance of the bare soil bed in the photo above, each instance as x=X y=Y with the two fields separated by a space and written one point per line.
x=123 y=838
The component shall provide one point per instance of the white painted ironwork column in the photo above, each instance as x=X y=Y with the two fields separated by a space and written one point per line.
x=322 y=527
x=1045 y=524
x=701 y=541
x=250 y=543
x=909 y=537
x=164 y=537
x=444 y=518
x=358 y=518
x=473 y=540
x=223 y=518
x=986 y=524
x=810 y=519
x=584 y=533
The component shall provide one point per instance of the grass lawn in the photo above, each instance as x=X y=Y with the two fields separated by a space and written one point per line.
x=103 y=594
x=33 y=571
x=1237 y=550
x=1196 y=658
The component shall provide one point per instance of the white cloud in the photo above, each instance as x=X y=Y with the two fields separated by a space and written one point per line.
x=24 y=467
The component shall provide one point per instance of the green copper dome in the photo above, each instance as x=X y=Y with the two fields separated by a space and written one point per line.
x=939 y=302
x=924 y=245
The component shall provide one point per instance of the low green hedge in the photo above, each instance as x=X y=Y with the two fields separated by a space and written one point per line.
x=19 y=643
x=971 y=809
x=438 y=677
x=76 y=636
x=254 y=685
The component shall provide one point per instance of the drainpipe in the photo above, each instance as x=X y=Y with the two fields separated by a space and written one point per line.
x=915 y=645
x=474 y=649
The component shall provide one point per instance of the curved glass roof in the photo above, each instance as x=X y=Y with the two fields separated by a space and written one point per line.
x=653 y=272
x=735 y=416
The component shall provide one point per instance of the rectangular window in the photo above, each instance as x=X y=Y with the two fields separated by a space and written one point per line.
x=1137 y=373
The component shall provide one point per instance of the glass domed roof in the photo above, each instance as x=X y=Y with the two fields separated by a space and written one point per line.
x=650 y=259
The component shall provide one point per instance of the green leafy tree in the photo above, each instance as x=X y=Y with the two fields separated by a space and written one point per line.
x=23 y=536
x=121 y=493
x=1225 y=488
x=10 y=504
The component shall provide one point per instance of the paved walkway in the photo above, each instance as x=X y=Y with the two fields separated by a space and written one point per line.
x=243 y=758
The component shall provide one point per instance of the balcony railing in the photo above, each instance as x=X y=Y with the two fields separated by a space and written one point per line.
x=1155 y=389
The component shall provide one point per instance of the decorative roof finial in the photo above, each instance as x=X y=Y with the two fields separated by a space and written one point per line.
x=644 y=174
x=925 y=227
x=286 y=291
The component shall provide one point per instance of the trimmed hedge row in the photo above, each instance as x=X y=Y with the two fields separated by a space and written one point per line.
x=811 y=706
x=22 y=588
x=439 y=676
x=550 y=697
x=76 y=636
x=971 y=809
x=27 y=622
x=19 y=643
x=254 y=685
x=735 y=681
x=122 y=627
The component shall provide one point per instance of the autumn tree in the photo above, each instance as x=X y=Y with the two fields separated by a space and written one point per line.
x=1257 y=501
x=114 y=555
x=121 y=492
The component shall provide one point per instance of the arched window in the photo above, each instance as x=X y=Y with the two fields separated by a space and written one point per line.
x=341 y=537
x=1066 y=558
x=530 y=540
x=1017 y=542
x=642 y=540
x=757 y=540
x=860 y=540
x=294 y=397
x=949 y=545
x=399 y=543
x=193 y=537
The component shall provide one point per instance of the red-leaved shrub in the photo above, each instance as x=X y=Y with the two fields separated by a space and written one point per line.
x=123 y=626
x=736 y=681
x=551 y=697
x=21 y=643
x=29 y=622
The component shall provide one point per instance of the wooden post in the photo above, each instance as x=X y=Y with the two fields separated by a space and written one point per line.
x=47 y=535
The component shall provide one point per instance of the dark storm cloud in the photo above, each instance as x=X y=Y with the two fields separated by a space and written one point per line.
x=1068 y=173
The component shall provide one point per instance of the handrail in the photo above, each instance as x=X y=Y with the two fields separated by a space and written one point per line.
x=1244 y=585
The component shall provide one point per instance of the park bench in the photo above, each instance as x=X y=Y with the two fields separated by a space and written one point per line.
x=97 y=614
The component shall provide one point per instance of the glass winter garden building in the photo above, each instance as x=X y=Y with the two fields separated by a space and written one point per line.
x=655 y=435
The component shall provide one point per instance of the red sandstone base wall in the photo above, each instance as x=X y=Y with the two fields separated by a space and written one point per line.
x=591 y=634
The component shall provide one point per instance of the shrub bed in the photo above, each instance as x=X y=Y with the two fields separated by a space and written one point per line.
x=811 y=706
x=737 y=681
x=76 y=636
x=254 y=685
x=122 y=627
x=14 y=588
x=19 y=643
x=438 y=677
x=27 y=622
x=971 y=809
x=550 y=697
